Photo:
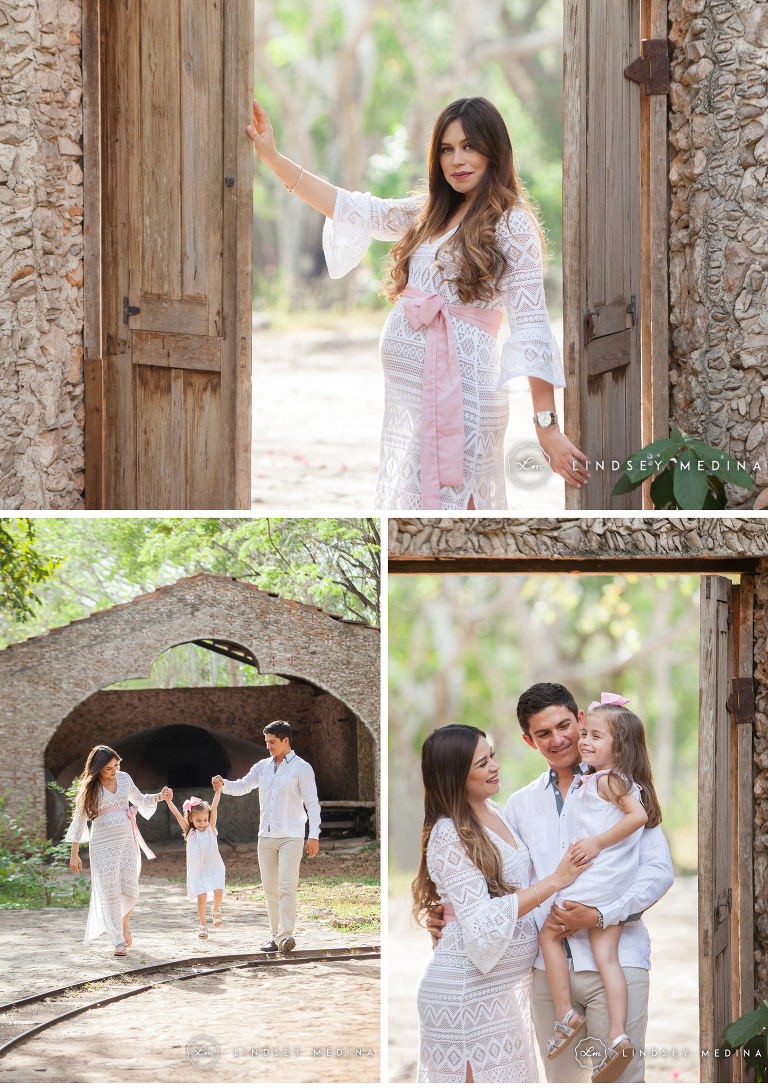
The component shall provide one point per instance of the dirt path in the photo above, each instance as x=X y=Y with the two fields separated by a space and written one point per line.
x=318 y=402
x=673 y=1006
x=325 y=1017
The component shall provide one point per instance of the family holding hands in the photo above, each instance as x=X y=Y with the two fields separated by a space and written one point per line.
x=535 y=909
x=110 y=800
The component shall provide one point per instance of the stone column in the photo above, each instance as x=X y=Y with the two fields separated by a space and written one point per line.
x=719 y=232
x=41 y=256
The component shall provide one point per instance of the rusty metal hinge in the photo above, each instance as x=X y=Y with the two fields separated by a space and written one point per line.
x=589 y=326
x=128 y=310
x=652 y=68
x=741 y=702
x=632 y=308
x=723 y=907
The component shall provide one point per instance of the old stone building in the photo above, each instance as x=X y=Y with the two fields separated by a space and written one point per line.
x=733 y=810
x=54 y=708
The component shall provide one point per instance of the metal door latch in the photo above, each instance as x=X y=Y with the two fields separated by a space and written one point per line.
x=128 y=311
x=229 y=181
x=652 y=68
x=741 y=702
x=589 y=326
x=632 y=308
x=723 y=907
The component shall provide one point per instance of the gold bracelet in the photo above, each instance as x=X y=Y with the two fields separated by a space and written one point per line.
x=537 y=893
x=297 y=183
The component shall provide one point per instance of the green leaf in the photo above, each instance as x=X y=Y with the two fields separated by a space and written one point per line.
x=662 y=489
x=747 y=1027
x=690 y=484
x=728 y=468
x=651 y=458
x=624 y=485
x=716 y=498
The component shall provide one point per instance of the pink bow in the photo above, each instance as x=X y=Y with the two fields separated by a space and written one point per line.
x=442 y=401
x=189 y=803
x=609 y=698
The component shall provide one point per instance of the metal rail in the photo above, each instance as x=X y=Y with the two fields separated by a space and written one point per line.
x=360 y=953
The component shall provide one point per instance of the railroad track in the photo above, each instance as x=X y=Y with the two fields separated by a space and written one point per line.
x=114 y=987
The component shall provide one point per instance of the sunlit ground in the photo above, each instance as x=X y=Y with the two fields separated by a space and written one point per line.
x=318 y=402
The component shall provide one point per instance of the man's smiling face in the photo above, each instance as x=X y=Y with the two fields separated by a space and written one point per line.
x=555 y=733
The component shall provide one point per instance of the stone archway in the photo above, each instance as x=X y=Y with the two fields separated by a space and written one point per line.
x=45 y=678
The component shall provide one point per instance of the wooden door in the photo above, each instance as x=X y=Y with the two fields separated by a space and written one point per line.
x=601 y=243
x=176 y=263
x=725 y=820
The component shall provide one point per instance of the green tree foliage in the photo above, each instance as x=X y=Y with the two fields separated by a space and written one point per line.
x=331 y=563
x=21 y=568
x=463 y=648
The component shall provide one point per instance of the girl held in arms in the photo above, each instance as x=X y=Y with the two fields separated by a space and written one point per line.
x=205 y=867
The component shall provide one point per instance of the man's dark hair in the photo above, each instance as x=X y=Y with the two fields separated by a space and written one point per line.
x=281 y=729
x=540 y=696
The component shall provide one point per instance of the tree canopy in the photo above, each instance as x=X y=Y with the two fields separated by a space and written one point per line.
x=21 y=568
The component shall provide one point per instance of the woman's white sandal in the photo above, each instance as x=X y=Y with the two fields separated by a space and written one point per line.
x=121 y=950
x=203 y=932
x=217 y=922
x=556 y=1045
x=615 y=1061
x=129 y=940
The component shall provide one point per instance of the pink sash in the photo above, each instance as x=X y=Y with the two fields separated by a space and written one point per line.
x=442 y=402
x=138 y=838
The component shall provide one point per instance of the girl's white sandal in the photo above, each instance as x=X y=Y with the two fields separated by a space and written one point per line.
x=615 y=1061
x=203 y=932
x=217 y=918
x=556 y=1045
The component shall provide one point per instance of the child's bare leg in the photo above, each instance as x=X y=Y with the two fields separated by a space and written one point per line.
x=605 y=949
x=201 y=902
x=556 y=964
x=218 y=897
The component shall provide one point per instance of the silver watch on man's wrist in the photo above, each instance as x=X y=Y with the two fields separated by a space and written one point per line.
x=544 y=419
x=600 y=922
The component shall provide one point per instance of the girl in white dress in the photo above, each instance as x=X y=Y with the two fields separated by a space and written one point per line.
x=474 y=995
x=467 y=249
x=205 y=867
x=110 y=800
x=614 y=804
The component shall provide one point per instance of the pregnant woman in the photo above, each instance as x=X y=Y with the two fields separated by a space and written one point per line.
x=467 y=249
x=110 y=799
x=474 y=995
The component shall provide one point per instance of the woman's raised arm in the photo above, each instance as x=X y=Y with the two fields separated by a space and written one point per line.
x=321 y=195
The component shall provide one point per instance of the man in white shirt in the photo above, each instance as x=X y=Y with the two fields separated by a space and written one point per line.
x=287 y=789
x=551 y=723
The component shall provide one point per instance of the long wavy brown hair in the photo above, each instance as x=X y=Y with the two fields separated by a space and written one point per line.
x=446 y=758
x=632 y=763
x=481 y=261
x=87 y=798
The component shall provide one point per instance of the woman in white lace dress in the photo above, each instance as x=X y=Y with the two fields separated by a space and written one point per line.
x=465 y=251
x=110 y=799
x=474 y=995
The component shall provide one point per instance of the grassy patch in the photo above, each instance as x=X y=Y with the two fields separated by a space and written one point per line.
x=35 y=898
x=344 y=906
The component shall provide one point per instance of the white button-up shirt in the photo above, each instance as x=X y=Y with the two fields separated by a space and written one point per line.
x=285 y=791
x=532 y=814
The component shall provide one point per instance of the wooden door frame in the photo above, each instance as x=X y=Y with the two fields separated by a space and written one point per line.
x=741 y=770
x=654 y=229
x=237 y=274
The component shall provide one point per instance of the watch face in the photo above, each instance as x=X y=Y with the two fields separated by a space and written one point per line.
x=544 y=419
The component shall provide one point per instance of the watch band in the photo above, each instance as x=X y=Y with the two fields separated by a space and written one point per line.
x=545 y=412
x=600 y=921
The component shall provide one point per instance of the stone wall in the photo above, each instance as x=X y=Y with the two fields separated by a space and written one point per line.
x=41 y=255
x=719 y=232
x=627 y=539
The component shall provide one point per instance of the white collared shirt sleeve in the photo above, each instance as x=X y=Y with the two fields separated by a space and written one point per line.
x=308 y=789
x=654 y=879
x=244 y=785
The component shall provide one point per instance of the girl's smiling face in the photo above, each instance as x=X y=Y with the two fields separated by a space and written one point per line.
x=108 y=772
x=200 y=821
x=463 y=167
x=483 y=777
x=596 y=742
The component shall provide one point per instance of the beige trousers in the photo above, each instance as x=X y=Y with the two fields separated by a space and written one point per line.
x=588 y=997
x=279 y=861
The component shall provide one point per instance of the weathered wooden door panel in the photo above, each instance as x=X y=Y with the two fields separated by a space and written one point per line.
x=177 y=192
x=601 y=243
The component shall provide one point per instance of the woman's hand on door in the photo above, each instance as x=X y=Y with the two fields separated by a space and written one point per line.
x=260 y=132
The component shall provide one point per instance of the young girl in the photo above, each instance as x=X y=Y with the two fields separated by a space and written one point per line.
x=205 y=867
x=614 y=803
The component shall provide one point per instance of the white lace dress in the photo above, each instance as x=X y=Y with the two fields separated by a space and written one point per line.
x=530 y=349
x=115 y=860
x=474 y=997
x=205 y=867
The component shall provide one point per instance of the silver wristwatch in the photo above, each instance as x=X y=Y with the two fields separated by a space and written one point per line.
x=600 y=922
x=545 y=419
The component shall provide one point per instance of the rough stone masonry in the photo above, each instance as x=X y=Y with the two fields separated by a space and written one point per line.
x=41 y=256
x=719 y=228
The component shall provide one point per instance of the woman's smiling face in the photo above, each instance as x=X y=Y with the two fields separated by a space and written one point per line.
x=483 y=777
x=462 y=166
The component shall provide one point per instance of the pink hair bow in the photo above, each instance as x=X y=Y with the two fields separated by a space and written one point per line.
x=189 y=803
x=609 y=698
